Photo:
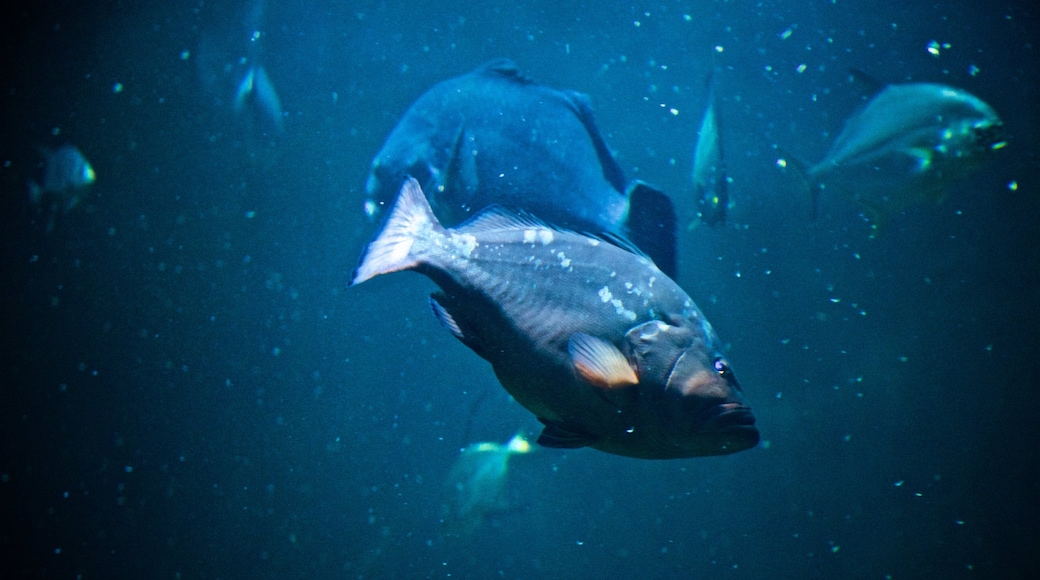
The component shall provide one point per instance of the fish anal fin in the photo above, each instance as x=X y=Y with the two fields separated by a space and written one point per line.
x=600 y=363
x=444 y=316
x=559 y=435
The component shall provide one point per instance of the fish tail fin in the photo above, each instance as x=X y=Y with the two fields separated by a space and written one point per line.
x=801 y=170
x=391 y=250
x=518 y=444
x=651 y=225
x=245 y=89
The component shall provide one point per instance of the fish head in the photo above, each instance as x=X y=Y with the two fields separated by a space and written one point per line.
x=389 y=169
x=691 y=388
x=972 y=129
x=987 y=135
x=434 y=157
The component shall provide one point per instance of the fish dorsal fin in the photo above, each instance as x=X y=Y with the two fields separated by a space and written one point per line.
x=599 y=362
x=505 y=68
x=560 y=435
x=869 y=85
x=621 y=242
x=500 y=217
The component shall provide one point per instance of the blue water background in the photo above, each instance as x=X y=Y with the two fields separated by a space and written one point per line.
x=189 y=389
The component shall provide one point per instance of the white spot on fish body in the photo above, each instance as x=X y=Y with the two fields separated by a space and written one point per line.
x=564 y=260
x=545 y=237
x=620 y=310
x=529 y=236
x=465 y=243
x=650 y=282
x=605 y=295
x=593 y=242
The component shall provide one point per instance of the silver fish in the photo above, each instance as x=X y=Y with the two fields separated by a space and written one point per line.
x=597 y=342
x=908 y=144
x=709 y=166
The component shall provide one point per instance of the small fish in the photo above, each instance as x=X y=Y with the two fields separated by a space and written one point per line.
x=475 y=488
x=591 y=337
x=709 y=166
x=907 y=144
x=66 y=179
x=493 y=136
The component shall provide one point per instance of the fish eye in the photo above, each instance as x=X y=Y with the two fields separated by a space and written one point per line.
x=722 y=367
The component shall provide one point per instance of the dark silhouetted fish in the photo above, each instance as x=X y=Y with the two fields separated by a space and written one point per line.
x=66 y=179
x=709 y=166
x=230 y=64
x=907 y=144
x=495 y=137
x=597 y=342
x=256 y=93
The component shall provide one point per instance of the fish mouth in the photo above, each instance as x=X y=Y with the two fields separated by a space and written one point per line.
x=725 y=416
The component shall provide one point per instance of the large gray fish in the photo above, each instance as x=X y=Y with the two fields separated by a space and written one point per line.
x=597 y=342
x=710 y=182
x=493 y=136
x=66 y=179
x=907 y=144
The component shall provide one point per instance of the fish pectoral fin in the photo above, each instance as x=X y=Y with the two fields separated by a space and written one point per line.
x=459 y=178
x=600 y=363
x=559 y=435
